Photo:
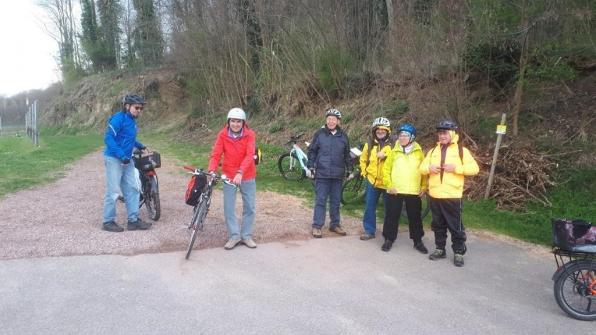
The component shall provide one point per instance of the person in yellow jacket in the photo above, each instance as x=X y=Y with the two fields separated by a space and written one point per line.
x=404 y=183
x=374 y=153
x=447 y=164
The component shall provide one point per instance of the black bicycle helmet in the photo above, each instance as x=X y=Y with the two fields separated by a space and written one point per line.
x=447 y=125
x=133 y=99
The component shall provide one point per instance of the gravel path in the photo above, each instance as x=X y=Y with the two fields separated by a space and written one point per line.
x=64 y=218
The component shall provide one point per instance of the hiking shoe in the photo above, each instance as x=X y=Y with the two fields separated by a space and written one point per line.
x=437 y=253
x=232 y=243
x=366 y=237
x=139 y=224
x=387 y=245
x=249 y=243
x=316 y=232
x=458 y=260
x=420 y=247
x=338 y=230
x=112 y=226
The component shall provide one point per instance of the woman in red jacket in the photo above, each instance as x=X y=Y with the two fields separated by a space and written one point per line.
x=236 y=142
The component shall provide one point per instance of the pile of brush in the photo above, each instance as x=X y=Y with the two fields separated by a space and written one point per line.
x=522 y=174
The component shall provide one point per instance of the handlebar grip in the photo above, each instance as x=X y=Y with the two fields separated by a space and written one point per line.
x=189 y=168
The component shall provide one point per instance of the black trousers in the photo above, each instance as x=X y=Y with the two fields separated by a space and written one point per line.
x=393 y=209
x=447 y=216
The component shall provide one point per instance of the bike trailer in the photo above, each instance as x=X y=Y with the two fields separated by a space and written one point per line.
x=148 y=162
x=194 y=189
x=574 y=235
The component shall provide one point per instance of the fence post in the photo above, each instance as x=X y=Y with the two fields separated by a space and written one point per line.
x=35 y=131
x=501 y=129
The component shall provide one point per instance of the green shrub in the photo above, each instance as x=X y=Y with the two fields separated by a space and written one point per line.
x=332 y=66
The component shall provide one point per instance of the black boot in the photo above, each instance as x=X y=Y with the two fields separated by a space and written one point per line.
x=419 y=245
x=387 y=245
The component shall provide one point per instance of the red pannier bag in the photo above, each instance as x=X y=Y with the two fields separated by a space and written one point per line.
x=194 y=189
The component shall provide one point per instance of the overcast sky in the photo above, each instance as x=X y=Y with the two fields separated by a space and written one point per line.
x=27 y=56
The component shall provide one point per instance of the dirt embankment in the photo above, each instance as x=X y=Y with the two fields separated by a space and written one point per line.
x=64 y=218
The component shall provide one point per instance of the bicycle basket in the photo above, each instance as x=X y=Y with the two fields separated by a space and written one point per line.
x=148 y=162
x=574 y=235
x=194 y=189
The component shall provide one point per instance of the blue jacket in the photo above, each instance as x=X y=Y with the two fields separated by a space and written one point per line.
x=329 y=154
x=121 y=136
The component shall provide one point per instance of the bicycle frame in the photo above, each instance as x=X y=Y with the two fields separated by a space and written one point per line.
x=296 y=154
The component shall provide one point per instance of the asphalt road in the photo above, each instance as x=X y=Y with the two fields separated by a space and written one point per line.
x=325 y=286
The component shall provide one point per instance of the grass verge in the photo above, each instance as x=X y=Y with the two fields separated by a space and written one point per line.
x=23 y=165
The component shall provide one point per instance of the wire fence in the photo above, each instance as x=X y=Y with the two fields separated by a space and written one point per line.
x=29 y=129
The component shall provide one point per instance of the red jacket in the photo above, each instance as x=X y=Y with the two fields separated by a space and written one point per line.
x=238 y=154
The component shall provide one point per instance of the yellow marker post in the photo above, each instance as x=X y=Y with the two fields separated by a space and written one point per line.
x=501 y=130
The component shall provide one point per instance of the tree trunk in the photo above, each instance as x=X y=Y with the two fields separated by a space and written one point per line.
x=519 y=88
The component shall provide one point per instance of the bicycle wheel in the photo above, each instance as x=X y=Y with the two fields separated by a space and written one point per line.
x=289 y=167
x=196 y=224
x=575 y=290
x=353 y=191
x=152 y=203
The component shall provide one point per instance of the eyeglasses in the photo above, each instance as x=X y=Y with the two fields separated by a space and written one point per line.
x=138 y=108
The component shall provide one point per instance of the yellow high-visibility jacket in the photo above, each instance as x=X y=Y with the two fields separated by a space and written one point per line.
x=401 y=170
x=374 y=171
x=452 y=184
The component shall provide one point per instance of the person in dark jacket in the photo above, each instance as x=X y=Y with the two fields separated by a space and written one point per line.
x=329 y=162
x=120 y=139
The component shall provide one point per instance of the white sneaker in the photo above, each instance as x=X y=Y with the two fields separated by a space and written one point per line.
x=249 y=243
x=231 y=243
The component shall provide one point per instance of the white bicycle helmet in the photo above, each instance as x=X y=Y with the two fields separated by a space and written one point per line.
x=237 y=113
x=381 y=122
x=333 y=112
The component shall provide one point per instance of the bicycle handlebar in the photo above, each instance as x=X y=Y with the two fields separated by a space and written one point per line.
x=215 y=176
x=295 y=138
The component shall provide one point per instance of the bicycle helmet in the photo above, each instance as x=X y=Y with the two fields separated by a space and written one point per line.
x=381 y=122
x=447 y=125
x=408 y=128
x=333 y=112
x=237 y=113
x=133 y=99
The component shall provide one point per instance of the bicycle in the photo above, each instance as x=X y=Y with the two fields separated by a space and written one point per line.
x=201 y=209
x=293 y=165
x=149 y=183
x=575 y=277
x=352 y=191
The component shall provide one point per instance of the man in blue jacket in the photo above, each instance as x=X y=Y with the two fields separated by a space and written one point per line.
x=329 y=162
x=120 y=139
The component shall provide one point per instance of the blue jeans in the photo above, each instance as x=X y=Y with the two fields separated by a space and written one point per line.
x=120 y=177
x=248 y=190
x=370 y=210
x=327 y=189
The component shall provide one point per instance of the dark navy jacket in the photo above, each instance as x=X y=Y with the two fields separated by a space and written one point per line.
x=329 y=154
x=121 y=136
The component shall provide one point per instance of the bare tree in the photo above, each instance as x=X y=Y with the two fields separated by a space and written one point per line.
x=63 y=31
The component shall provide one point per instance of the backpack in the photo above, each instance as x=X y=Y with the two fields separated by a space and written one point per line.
x=258 y=156
x=194 y=189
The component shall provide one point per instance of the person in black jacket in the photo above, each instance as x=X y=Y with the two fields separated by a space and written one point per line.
x=329 y=162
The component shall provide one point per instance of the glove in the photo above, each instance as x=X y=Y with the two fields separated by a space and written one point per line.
x=125 y=161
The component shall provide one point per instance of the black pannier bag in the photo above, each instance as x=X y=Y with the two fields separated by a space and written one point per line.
x=574 y=235
x=195 y=187
x=148 y=162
